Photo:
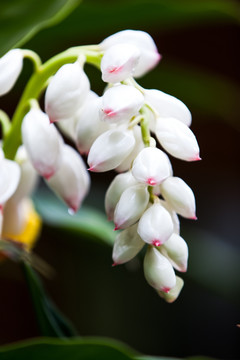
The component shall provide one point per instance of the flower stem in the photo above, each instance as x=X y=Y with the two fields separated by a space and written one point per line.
x=5 y=121
x=37 y=82
x=145 y=126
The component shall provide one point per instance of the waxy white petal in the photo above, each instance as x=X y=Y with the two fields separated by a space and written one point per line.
x=120 y=103
x=151 y=166
x=130 y=206
x=71 y=182
x=177 y=139
x=127 y=245
x=110 y=149
x=149 y=56
x=168 y=106
x=173 y=294
x=66 y=92
x=10 y=67
x=158 y=271
x=155 y=225
x=120 y=183
x=179 y=196
x=175 y=219
x=42 y=141
x=89 y=126
x=9 y=179
x=176 y=250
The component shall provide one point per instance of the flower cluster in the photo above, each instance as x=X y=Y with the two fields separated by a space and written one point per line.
x=118 y=130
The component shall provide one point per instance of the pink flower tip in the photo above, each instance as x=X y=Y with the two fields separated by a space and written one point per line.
x=91 y=168
x=114 y=69
x=116 y=228
x=114 y=264
x=166 y=290
x=47 y=176
x=1 y=208
x=109 y=112
x=193 y=218
x=151 y=182
x=156 y=243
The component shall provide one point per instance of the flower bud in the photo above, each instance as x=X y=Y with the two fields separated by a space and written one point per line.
x=42 y=141
x=120 y=183
x=175 y=219
x=177 y=139
x=118 y=62
x=89 y=126
x=151 y=166
x=130 y=206
x=173 y=294
x=9 y=179
x=66 y=92
x=127 y=245
x=71 y=181
x=139 y=145
x=179 y=196
x=175 y=250
x=10 y=67
x=149 y=56
x=168 y=106
x=110 y=149
x=155 y=226
x=28 y=178
x=120 y=103
x=158 y=271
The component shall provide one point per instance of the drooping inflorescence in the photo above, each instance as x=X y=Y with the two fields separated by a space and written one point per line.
x=120 y=131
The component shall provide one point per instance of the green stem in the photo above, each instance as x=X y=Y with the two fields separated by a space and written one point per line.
x=32 y=56
x=5 y=121
x=35 y=85
x=145 y=126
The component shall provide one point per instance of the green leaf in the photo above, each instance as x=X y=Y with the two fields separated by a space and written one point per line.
x=76 y=349
x=51 y=322
x=87 y=221
x=22 y=19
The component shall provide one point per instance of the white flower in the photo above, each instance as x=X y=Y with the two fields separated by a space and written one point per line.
x=127 y=245
x=89 y=126
x=10 y=67
x=71 y=181
x=155 y=225
x=66 y=92
x=179 y=196
x=130 y=206
x=151 y=166
x=139 y=145
x=118 y=62
x=177 y=139
x=120 y=183
x=173 y=294
x=9 y=179
x=120 y=103
x=149 y=56
x=158 y=271
x=42 y=141
x=110 y=149
x=168 y=106
x=176 y=251
x=175 y=219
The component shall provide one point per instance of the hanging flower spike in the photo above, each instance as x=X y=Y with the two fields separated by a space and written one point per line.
x=10 y=68
x=130 y=206
x=66 y=92
x=168 y=106
x=179 y=196
x=158 y=271
x=177 y=139
x=120 y=103
x=127 y=245
x=71 y=182
x=120 y=183
x=118 y=62
x=149 y=56
x=155 y=225
x=110 y=149
x=42 y=141
x=151 y=166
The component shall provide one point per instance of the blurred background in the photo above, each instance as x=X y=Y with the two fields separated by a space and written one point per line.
x=199 y=42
